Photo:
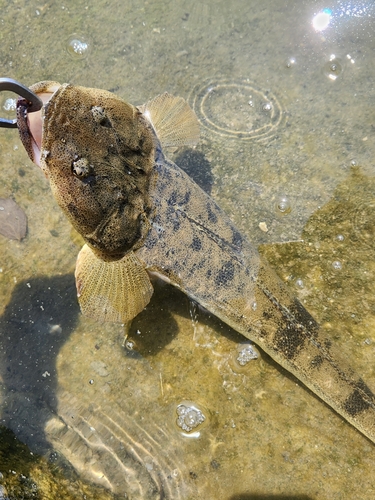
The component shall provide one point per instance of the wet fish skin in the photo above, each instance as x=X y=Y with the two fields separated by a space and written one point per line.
x=214 y=265
x=178 y=231
x=84 y=157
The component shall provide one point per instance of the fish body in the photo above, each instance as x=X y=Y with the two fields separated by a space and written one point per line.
x=140 y=214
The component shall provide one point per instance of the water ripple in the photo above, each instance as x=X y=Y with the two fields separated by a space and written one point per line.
x=117 y=451
x=237 y=109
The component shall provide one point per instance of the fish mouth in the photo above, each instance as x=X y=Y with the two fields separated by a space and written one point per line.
x=30 y=125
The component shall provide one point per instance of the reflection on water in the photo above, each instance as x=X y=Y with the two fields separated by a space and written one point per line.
x=118 y=447
x=68 y=388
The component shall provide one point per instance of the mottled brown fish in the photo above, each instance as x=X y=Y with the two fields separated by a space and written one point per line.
x=140 y=214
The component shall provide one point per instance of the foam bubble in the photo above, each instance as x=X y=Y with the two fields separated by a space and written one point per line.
x=78 y=46
x=189 y=417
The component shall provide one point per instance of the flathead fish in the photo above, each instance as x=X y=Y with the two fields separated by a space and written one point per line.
x=140 y=214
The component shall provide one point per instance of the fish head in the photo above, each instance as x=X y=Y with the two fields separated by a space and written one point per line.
x=97 y=152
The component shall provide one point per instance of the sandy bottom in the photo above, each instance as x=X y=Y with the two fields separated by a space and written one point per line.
x=287 y=150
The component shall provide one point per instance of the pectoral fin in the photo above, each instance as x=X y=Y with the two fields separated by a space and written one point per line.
x=113 y=291
x=175 y=123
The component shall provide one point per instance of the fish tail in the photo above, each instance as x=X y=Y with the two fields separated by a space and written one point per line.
x=284 y=329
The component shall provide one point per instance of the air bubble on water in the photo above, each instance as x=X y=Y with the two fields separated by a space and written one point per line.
x=78 y=47
x=129 y=344
x=267 y=106
x=283 y=206
x=290 y=62
x=241 y=356
x=246 y=353
x=10 y=104
x=300 y=283
x=189 y=417
x=333 y=67
x=336 y=265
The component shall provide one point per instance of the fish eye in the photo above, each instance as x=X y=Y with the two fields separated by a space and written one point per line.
x=81 y=168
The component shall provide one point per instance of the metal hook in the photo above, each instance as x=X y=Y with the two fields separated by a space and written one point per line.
x=34 y=102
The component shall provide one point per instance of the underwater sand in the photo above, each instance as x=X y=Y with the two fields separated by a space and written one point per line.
x=287 y=150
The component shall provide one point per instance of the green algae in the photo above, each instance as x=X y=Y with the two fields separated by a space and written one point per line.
x=336 y=255
x=27 y=476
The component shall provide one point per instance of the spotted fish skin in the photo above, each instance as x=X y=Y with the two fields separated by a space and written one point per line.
x=108 y=173
x=196 y=246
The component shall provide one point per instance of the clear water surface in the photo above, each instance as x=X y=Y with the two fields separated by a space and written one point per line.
x=285 y=94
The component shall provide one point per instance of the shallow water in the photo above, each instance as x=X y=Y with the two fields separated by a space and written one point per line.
x=287 y=148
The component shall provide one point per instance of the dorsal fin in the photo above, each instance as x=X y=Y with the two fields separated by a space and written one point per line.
x=174 y=122
x=114 y=291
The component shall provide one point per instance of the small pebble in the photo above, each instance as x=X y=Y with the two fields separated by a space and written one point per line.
x=13 y=222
